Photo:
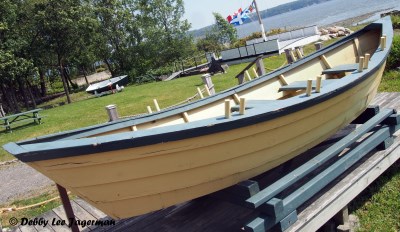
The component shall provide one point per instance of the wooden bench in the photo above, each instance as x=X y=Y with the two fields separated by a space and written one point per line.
x=302 y=85
x=250 y=104
x=341 y=69
x=21 y=118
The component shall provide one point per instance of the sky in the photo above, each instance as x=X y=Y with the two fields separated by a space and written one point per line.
x=199 y=12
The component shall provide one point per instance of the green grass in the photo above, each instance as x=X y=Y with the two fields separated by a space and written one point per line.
x=31 y=212
x=378 y=206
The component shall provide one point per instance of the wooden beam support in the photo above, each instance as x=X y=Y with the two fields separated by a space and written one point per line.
x=255 y=72
x=325 y=61
x=357 y=47
x=292 y=55
x=156 y=104
x=236 y=98
x=298 y=53
x=200 y=93
x=248 y=77
x=67 y=207
x=149 y=110
x=133 y=128
x=283 y=80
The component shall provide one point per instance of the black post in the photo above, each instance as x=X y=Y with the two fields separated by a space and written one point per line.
x=67 y=207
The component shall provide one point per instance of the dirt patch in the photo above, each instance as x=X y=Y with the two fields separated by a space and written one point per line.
x=96 y=77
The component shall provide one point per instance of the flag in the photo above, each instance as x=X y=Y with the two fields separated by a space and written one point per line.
x=229 y=18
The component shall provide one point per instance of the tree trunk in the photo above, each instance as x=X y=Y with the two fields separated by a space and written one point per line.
x=70 y=83
x=6 y=97
x=23 y=92
x=14 y=100
x=43 y=89
x=31 y=94
x=63 y=80
x=85 y=75
x=109 y=67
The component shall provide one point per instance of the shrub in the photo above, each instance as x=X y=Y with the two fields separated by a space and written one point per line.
x=393 y=60
x=396 y=21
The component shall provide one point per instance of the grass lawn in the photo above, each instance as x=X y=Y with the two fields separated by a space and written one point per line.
x=378 y=207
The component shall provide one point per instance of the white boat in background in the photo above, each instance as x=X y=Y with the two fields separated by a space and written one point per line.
x=107 y=85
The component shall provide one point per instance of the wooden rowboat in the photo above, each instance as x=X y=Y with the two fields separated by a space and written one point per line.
x=107 y=84
x=141 y=164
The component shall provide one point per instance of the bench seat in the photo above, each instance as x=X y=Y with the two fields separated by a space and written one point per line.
x=302 y=85
x=341 y=69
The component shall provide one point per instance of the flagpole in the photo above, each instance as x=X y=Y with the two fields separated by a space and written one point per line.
x=259 y=20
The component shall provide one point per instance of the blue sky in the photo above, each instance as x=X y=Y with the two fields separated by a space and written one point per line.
x=199 y=12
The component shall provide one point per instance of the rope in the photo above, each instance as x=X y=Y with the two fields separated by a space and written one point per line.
x=13 y=208
x=9 y=162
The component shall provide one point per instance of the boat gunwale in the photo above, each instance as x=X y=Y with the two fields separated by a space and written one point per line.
x=27 y=152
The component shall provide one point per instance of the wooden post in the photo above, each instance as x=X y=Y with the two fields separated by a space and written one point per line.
x=383 y=42
x=67 y=207
x=149 y=110
x=361 y=64
x=325 y=61
x=156 y=104
x=227 y=108
x=200 y=93
x=282 y=79
x=288 y=56
x=112 y=113
x=255 y=72
x=247 y=75
x=208 y=81
x=366 y=60
x=318 y=46
x=299 y=54
x=241 y=78
x=207 y=90
x=260 y=67
x=185 y=117
x=318 y=84
x=309 y=88
x=292 y=55
x=242 y=107
x=236 y=98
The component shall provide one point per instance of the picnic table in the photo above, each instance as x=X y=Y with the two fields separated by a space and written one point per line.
x=21 y=117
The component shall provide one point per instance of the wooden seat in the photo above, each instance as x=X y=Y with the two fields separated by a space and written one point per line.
x=302 y=85
x=341 y=69
x=250 y=104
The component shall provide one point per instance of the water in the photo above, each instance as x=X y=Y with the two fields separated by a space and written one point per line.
x=321 y=14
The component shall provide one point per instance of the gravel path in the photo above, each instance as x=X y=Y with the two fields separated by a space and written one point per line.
x=18 y=180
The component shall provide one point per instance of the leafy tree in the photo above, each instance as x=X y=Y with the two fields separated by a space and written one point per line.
x=224 y=30
x=63 y=24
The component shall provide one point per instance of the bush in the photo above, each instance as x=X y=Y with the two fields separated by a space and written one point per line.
x=393 y=60
x=396 y=21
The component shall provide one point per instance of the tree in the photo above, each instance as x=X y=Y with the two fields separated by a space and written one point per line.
x=63 y=24
x=224 y=30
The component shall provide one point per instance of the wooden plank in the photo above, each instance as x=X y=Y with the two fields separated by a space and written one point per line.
x=302 y=85
x=27 y=229
x=90 y=209
x=308 y=167
x=341 y=193
x=325 y=62
x=341 y=68
x=53 y=218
